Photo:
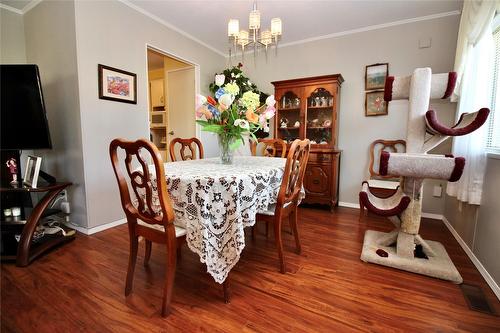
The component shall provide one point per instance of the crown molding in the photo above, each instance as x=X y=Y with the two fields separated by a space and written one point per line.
x=30 y=6
x=368 y=28
x=171 y=26
x=11 y=9
x=23 y=11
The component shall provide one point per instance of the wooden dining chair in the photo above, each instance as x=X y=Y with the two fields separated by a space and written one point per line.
x=142 y=218
x=270 y=148
x=288 y=197
x=192 y=144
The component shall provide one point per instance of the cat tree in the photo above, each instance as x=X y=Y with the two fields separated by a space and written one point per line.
x=404 y=248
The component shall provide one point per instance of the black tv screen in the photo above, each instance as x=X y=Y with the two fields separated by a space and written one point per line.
x=23 y=119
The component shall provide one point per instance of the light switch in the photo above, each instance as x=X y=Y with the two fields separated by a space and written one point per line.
x=424 y=43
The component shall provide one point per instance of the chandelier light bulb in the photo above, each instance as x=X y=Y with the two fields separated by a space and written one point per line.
x=254 y=19
x=243 y=38
x=276 y=27
x=233 y=28
x=266 y=37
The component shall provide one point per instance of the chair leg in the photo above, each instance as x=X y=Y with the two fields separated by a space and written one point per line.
x=134 y=244
x=279 y=243
x=361 y=210
x=227 y=291
x=147 y=252
x=169 y=280
x=293 y=224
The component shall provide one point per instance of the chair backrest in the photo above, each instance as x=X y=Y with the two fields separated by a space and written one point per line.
x=376 y=148
x=270 y=147
x=295 y=169
x=145 y=188
x=191 y=144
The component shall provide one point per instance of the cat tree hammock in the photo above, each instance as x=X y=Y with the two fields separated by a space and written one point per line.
x=404 y=248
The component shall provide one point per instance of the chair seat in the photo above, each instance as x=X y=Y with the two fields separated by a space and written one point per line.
x=179 y=232
x=271 y=208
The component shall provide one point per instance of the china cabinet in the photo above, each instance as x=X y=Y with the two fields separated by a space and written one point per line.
x=309 y=108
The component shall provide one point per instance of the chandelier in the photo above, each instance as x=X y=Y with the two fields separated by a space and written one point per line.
x=242 y=39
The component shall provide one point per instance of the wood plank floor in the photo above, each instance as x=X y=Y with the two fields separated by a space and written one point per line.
x=79 y=287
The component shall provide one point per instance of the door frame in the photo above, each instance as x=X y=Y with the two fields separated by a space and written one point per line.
x=196 y=80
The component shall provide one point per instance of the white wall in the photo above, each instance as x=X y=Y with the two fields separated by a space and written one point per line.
x=349 y=55
x=111 y=33
x=12 y=50
x=50 y=43
x=479 y=226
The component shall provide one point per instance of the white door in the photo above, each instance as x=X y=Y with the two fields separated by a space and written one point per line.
x=181 y=96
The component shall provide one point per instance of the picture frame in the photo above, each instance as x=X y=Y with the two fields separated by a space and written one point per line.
x=375 y=105
x=375 y=76
x=117 y=85
x=32 y=170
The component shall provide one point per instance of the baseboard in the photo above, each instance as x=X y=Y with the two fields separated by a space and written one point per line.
x=432 y=216
x=93 y=230
x=348 y=204
x=489 y=280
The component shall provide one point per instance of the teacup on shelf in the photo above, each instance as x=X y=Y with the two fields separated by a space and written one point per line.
x=297 y=124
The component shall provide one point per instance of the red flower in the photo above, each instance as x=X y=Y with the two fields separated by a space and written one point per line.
x=211 y=101
x=240 y=65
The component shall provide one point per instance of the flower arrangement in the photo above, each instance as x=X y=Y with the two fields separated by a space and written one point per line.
x=235 y=110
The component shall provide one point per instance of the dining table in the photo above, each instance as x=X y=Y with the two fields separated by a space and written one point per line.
x=215 y=202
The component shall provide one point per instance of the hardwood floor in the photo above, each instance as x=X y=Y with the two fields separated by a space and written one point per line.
x=80 y=287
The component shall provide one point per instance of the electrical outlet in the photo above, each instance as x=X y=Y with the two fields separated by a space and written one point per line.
x=64 y=195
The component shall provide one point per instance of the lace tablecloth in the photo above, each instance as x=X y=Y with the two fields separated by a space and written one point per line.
x=215 y=202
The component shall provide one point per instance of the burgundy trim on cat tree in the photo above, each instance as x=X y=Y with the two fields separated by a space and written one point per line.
x=384 y=163
x=452 y=80
x=435 y=125
x=458 y=169
x=388 y=88
x=402 y=205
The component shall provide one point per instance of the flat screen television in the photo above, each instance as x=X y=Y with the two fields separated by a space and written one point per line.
x=23 y=118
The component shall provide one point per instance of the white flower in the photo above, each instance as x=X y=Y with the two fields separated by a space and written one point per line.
x=226 y=99
x=270 y=101
x=219 y=80
x=249 y=83
x=232 y=74
x=238 y=75
x=242 y=123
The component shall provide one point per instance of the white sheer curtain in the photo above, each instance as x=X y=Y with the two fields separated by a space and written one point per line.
x=474 y=65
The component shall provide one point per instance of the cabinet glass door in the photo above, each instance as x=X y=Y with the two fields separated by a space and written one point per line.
x=289 y=117
x=319 y=122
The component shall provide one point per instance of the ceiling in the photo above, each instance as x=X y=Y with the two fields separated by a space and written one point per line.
x=207 y=20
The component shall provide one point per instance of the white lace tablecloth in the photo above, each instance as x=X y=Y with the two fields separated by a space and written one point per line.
x=215 y=202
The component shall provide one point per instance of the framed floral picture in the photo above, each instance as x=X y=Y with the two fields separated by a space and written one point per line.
x=375 y=104
x=375 y=76
x=117 y=85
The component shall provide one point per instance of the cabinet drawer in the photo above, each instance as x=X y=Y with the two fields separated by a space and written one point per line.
x=320 y=158
x=317 y=180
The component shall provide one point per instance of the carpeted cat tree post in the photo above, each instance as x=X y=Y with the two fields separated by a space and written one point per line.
x=404 y=248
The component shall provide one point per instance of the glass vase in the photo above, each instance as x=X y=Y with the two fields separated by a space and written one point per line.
x=226 y=154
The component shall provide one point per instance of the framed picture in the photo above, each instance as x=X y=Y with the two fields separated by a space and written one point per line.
x=32 y=170
x=117 y=85
x=375 y=104
x=375 y=76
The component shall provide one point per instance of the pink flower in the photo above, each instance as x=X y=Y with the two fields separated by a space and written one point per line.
x=270 y=112
x=200 y=100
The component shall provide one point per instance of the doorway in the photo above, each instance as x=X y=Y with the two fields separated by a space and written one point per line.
x=172 y=92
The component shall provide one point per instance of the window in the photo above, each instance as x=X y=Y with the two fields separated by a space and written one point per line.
x=493 y=139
